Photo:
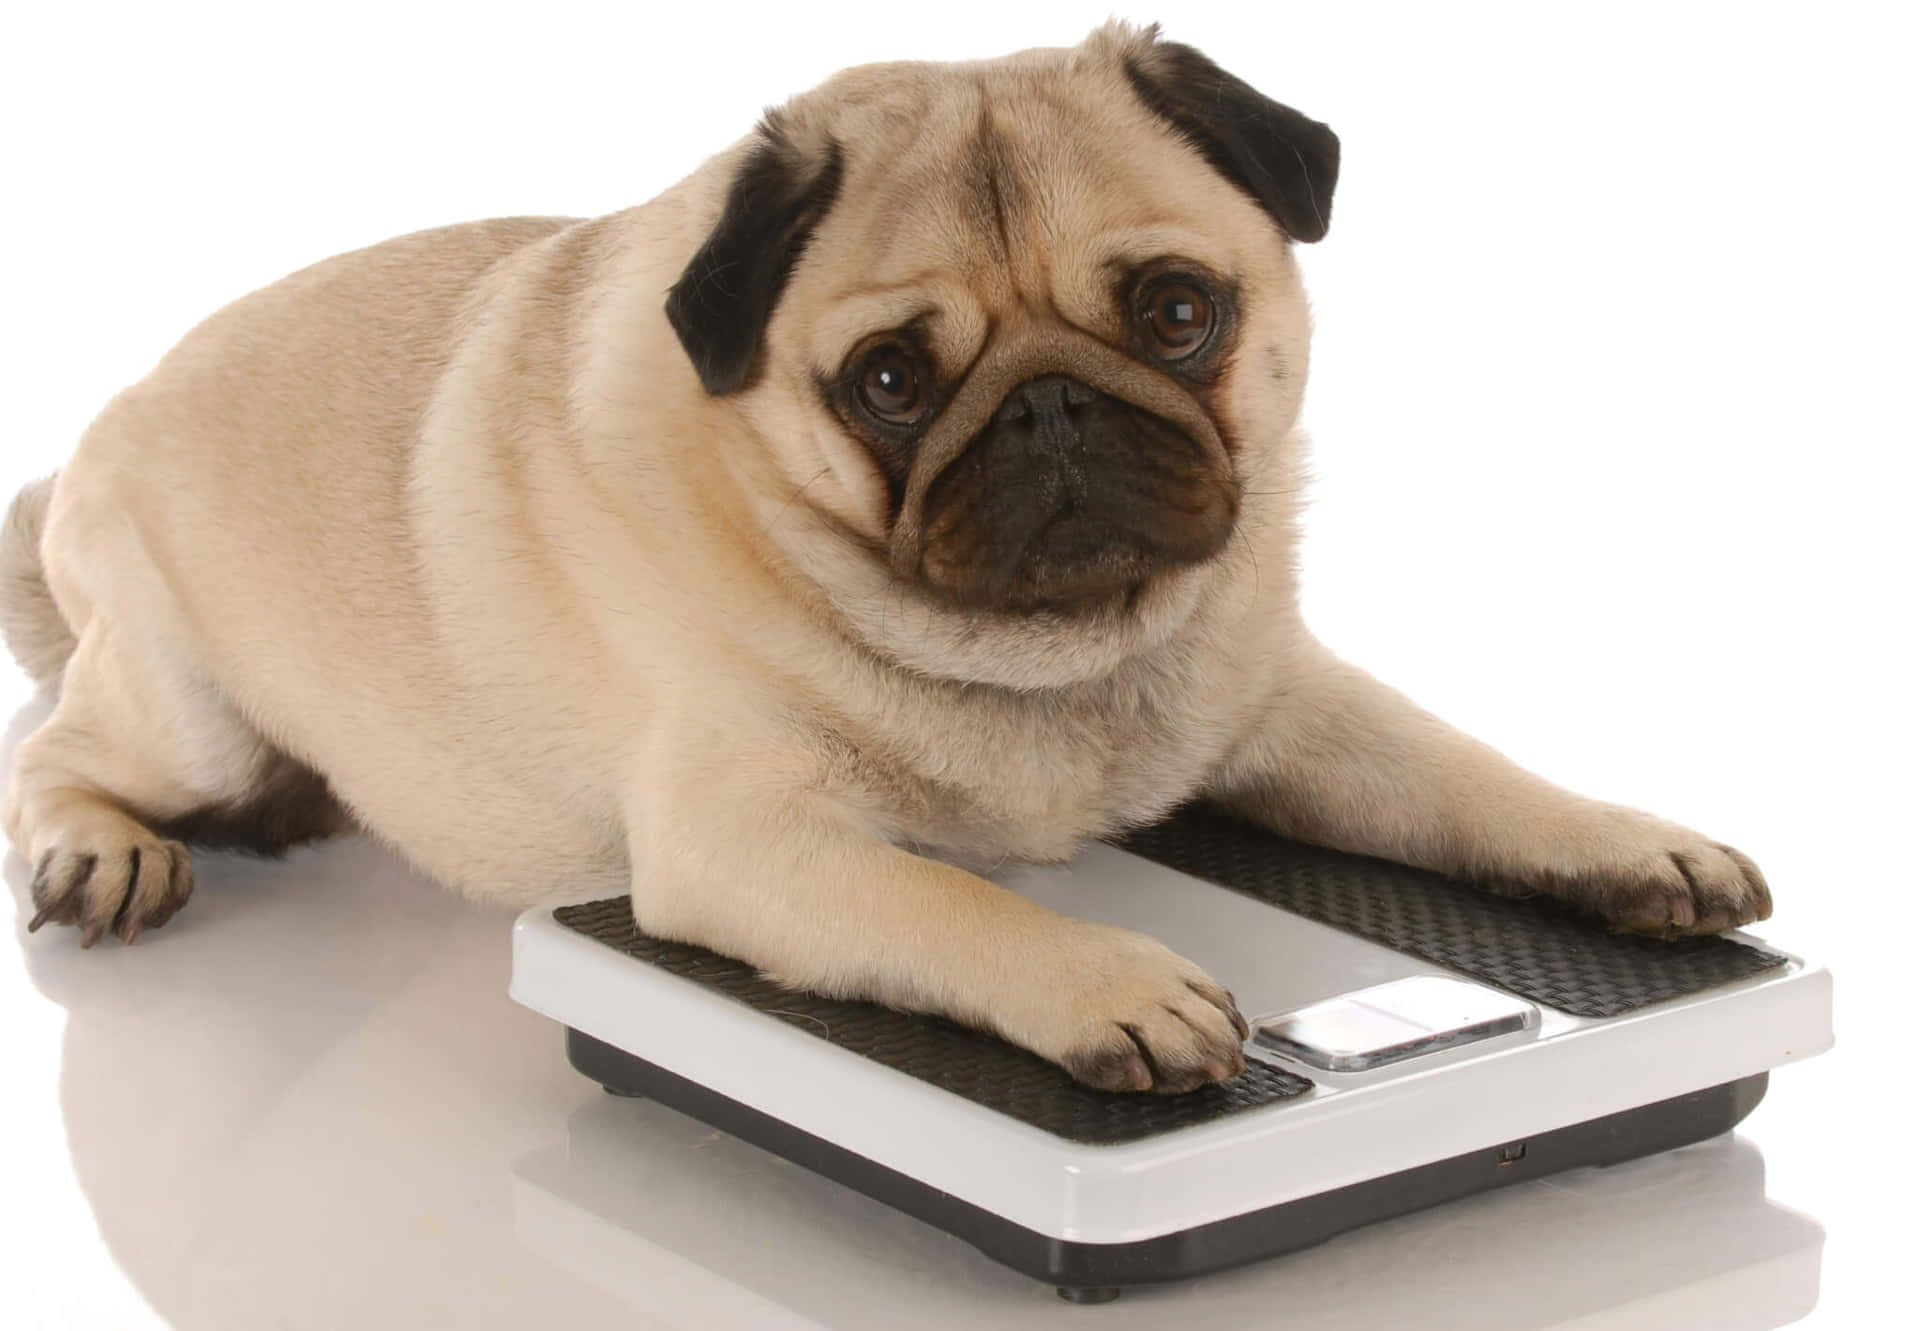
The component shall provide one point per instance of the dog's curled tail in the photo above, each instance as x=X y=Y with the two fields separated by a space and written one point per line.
x=36 y=633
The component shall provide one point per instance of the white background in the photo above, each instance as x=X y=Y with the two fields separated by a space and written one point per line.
x=1613 y=401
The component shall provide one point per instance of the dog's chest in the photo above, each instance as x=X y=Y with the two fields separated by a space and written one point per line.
x=1034 y=777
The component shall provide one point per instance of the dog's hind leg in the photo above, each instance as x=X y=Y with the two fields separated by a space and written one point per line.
x=141 y=751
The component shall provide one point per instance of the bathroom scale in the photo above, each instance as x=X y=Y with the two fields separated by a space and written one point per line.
x=1415 y=1040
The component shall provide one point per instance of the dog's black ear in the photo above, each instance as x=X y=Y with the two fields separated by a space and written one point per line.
x=721 y=304
x=1286 y=162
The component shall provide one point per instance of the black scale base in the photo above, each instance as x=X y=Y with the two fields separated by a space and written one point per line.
x=1095 y=1272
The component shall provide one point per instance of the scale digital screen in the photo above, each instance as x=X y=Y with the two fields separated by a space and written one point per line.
x=1388 y=1023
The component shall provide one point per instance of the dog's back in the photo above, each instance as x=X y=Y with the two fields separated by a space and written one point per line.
x=224 y=522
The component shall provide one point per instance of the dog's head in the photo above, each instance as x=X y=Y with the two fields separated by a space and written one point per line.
x=1025 y=336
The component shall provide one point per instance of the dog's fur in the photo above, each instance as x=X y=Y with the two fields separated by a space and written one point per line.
x=550 y=552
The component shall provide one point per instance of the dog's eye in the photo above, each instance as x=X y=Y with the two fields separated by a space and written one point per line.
x=1175 y=319
x=890 y=386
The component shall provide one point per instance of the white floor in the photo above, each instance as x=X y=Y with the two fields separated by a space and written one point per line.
x=308 y=1103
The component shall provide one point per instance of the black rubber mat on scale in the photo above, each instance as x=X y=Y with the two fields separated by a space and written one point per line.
x=970 y=1063
x=1534 y=948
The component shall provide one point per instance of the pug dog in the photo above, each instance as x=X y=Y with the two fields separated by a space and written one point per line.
x=913 y=488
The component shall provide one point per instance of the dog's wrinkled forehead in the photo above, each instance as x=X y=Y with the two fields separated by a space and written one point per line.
x=1013 y=209
x=978 y=189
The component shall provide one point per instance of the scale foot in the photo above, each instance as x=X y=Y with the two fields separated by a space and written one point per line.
x=1088 y=1293
x=622 y=1093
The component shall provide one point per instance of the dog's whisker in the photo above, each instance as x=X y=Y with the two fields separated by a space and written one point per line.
x=825 y=1029
x=1253 y=560
x=794 y=498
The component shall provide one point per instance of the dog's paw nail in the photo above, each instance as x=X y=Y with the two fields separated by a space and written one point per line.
x=1140 y=1018
x=120 y=880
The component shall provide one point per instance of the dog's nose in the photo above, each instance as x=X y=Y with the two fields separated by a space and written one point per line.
x=1049 y=395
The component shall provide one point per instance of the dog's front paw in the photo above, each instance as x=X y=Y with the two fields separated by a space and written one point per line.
x=1644 y=875
x=104 y=871
x=1121 y=1012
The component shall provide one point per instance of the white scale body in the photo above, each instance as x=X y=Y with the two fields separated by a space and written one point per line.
x=1537 y=1070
